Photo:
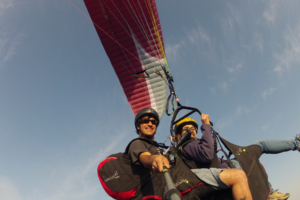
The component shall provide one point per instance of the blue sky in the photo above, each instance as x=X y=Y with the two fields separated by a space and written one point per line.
x=62 y=109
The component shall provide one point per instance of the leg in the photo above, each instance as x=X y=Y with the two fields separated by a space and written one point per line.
x=237 y=180
x=273 y=193
x=236 y=163
x=277 y=146
x=221 y=179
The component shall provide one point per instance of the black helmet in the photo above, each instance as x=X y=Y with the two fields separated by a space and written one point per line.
x=146 y=111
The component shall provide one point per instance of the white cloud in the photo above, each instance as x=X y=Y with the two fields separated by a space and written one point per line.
x=233 y=19
x=5 y=4
x=223 y=123
x=8 y=190
x=223 y=85
x=172 y=51
x=198 y=35
x=271 y=11
x=197 y=40
x=258 y=41
x=65 y=179
x=265 y=127
x=8 y=47
x=233 y=117
x=290 y=56
x=242 y=110
x=77 y=182
x=235 y=68
x=8 y=41
x=264 y=94
x=213 y=90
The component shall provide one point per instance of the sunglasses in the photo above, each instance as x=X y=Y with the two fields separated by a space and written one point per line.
x=189 y=129
x=146 y=121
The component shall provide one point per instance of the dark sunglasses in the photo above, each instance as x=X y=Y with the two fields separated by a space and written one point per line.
x=146 y=121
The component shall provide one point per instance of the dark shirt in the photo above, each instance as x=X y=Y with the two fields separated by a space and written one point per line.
x=137 y=147
x=202 y=150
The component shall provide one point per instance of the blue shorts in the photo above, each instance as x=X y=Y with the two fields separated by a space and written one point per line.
x=211 y=176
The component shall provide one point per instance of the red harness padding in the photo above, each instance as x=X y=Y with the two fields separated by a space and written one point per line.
x=115 y=191
x=123 y=180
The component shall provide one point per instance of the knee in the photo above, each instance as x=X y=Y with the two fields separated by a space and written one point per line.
x=240 y=175
x=258 y=142
x=233 y=176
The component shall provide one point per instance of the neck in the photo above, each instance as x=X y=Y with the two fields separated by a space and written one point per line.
x=142 y=135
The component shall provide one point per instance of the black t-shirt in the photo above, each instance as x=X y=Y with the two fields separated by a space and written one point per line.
x=137 y=147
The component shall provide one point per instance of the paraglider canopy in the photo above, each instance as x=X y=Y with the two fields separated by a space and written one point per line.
x=131 y=35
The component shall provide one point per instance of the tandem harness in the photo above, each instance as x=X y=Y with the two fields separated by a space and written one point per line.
x=248 y=157
x=123 y=180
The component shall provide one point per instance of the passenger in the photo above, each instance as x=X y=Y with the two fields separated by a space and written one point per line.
x=202 y=151
x=149 y=156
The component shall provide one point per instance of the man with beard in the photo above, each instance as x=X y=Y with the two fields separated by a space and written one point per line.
x=148 y=155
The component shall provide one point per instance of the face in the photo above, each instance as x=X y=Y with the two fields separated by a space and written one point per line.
x=191 y=128
x=147 y=127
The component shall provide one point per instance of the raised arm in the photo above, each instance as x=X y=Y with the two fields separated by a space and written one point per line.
x=201 y=150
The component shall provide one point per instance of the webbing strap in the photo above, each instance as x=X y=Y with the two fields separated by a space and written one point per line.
x=167 y=105
x=139 y=76
x=226 y=155
x=215 y=161
x=154 y=143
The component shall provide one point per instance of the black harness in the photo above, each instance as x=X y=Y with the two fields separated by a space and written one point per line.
x=122 y=179
x=248 y=157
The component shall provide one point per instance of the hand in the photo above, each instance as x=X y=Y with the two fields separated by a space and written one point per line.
x=205 y=119
x=159 y=162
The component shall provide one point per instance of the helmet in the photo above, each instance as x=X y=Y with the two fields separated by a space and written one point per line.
x=183 y=122
x=146 y=111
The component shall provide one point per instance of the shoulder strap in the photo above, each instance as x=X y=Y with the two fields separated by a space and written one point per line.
x=226 y=155
x=215 y=161
x=154 y=143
